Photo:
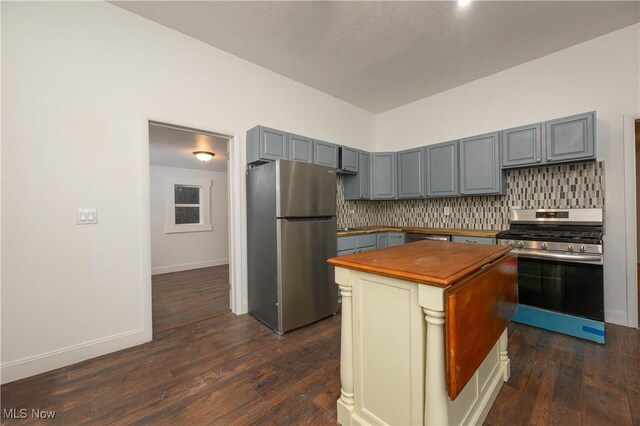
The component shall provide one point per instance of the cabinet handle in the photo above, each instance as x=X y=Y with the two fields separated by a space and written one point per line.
x=548 y=158
x=538 y=160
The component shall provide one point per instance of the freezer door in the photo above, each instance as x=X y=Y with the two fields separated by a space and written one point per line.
x=307 y=286
x=305 y=190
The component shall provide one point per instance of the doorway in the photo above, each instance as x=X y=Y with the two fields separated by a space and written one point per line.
x=637 y=145
x=189 y=225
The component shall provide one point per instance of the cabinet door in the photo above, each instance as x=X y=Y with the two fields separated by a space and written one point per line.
x=273 y=144
x=265 y=144
x=480 y=171
x=366 y=240
x=300 y=148
x=325 y=153
x=346 y=243
x=522 y=146
x=383 y=240
x=348 y=159
x=396 y=239
x=346 y=252
x=411 y=180
x=442 y=169
x=367 y=248
x=364 y=174
x=358 y=187
x=383 y=175
x=473 y=240
x=571 y=138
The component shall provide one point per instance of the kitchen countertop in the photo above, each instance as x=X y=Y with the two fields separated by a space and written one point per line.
x=437 y=263
x=417 y=230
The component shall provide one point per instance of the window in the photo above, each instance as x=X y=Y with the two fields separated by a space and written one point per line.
x=187 y=205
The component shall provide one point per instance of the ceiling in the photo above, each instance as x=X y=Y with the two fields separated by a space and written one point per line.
x=381 y=55
x=173 y=147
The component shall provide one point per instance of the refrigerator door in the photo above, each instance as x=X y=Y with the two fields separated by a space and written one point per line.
x=305 y=190
x=307 y=286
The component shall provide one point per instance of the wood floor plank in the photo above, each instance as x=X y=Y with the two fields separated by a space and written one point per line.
x=605 y=407
x=183 y=297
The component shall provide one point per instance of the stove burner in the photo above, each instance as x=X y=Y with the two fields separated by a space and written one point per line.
x=565 y=233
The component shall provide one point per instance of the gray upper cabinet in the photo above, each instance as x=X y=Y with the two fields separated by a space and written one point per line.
x=348 y=159
x=522 y=146
x=480 y=169
x=570 y=138
x=358 y=187
x=325 y=153
x=411 y=180
x=383 y=175
x=442 y=169
x=265 y=144
x=300 y=148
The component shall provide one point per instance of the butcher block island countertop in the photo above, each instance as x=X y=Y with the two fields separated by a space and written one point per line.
x=429 y=262
x=424 y=337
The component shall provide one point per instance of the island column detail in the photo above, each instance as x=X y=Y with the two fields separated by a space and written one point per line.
x=346 y=346
x=436 y=404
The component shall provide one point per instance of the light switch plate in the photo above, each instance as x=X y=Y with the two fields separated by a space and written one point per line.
x=447 y=210
x=86 y=216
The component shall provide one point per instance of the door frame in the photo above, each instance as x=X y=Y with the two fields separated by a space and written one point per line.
x=631 y=248
x=236 y=182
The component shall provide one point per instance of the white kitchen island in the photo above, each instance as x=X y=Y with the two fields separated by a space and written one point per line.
x=424 y=337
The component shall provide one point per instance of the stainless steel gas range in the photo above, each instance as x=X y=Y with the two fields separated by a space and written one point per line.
x=560 y=269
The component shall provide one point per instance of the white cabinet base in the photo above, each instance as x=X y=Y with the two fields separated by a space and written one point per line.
x=392 y=370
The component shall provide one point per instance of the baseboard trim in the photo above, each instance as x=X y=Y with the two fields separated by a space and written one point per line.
x=188 y=266
x=615 y=317
x=30 y=366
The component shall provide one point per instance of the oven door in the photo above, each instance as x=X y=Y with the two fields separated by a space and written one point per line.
x=563 y=286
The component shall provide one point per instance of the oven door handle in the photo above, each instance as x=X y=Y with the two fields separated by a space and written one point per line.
x=579 y=258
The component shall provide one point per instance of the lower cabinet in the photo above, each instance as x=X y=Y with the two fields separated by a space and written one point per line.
x=361 y=243
x=357 y=244
x=473 y=240
x=395 y=238
x=383 y=240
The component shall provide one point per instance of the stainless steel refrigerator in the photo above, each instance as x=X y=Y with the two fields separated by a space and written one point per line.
x=291 y=227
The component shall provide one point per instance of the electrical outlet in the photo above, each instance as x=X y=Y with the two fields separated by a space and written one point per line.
x=352 y=212
x=447 y=210
x=86 y=216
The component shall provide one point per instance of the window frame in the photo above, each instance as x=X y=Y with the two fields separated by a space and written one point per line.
x=204 y=185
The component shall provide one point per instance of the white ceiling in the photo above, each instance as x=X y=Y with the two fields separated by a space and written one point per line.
x=381 y=55
x=174 y=148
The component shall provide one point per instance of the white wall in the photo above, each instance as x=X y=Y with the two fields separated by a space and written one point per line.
x=79 y=76
x=601 y=75
x=189 y=250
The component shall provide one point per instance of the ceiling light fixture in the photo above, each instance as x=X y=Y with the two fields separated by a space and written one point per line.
x=463 y=2
x=203 y=156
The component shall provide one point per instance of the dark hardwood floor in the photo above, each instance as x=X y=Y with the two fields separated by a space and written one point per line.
x=560 y=380
x=183 y=297
x=233 y=370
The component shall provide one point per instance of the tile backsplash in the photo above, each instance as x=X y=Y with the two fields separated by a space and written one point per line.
x=578 y=185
